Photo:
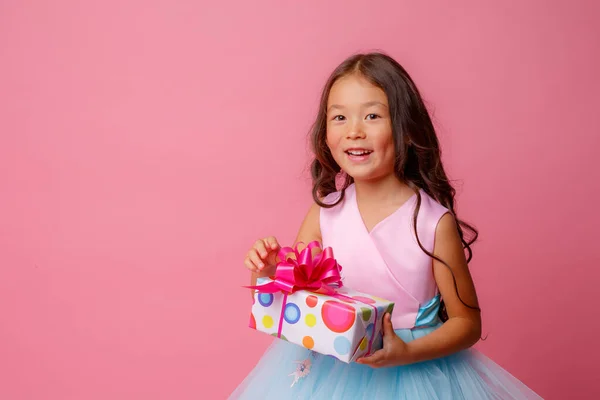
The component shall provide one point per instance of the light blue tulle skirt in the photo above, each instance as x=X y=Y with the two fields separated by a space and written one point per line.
x=464 y=375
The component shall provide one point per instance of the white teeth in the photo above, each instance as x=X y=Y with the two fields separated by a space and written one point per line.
x=358 y=152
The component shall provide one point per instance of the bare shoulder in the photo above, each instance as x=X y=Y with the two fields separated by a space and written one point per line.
x=446 y=232
x=448 y=245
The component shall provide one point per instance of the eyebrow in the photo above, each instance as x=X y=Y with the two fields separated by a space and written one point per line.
x=365 y=105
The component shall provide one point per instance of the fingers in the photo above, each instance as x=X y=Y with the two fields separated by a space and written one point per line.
x=250 y=265
x=261 y=248
x=256 y=259
x=259 y=254
x=375 y=360
x=253 y=262
x=388 y=329
x=272 y=243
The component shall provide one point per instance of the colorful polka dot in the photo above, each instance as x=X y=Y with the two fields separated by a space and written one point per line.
x=308 y=342
x=292 y=313
x=363 y=299
x=363 y=344
x=267 y=321
x=312 y=301
x=341 y=345
x=366 y=313
x=265 y=299
x=338 y=317
x=311 y=320
x=252 y=323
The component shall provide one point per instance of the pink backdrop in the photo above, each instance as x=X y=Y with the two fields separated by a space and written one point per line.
x=145 y=145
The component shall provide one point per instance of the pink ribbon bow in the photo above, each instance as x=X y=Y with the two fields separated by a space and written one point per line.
x=319 y=274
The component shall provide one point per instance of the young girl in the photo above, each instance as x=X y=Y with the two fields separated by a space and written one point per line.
x=385 y=206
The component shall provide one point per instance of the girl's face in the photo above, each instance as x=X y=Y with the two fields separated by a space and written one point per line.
x=359 y=129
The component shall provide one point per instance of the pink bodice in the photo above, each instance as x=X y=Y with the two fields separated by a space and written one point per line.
x=386 y=262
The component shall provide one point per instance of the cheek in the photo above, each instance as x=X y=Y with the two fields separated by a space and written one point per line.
x=333 y=144
x=385 y=143
x=332 y=141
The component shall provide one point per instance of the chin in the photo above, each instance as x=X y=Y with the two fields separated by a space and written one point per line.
x=363 y=176
x=369 y=176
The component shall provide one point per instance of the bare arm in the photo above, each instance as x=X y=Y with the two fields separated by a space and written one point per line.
x=310 y=230
x=463 y=328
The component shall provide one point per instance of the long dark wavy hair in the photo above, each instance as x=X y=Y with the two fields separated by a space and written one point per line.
x=418 y=156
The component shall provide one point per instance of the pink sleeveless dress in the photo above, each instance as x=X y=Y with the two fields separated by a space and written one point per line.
x=386 y=262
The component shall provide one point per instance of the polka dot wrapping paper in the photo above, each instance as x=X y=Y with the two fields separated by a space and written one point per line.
x=346 y=326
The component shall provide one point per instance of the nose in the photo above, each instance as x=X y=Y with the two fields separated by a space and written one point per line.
x=356 y=131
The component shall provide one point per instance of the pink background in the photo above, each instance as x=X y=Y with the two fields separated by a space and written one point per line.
x=145 y=145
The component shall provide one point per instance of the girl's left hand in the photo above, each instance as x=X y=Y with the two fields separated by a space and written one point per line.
x=394 y=352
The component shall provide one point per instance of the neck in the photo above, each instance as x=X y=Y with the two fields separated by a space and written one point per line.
x=387 y=189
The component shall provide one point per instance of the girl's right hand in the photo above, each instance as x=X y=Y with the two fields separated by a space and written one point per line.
x=262 y=257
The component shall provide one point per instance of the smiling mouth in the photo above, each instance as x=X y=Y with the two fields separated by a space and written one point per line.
x=358 y=153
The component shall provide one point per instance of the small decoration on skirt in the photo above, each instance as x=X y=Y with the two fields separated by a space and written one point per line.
x=302 y=370
x=303 y=367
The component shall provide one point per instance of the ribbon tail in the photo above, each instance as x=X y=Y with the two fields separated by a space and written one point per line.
x=270 y=287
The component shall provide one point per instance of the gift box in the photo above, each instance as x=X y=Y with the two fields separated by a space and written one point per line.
x=307 y=304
